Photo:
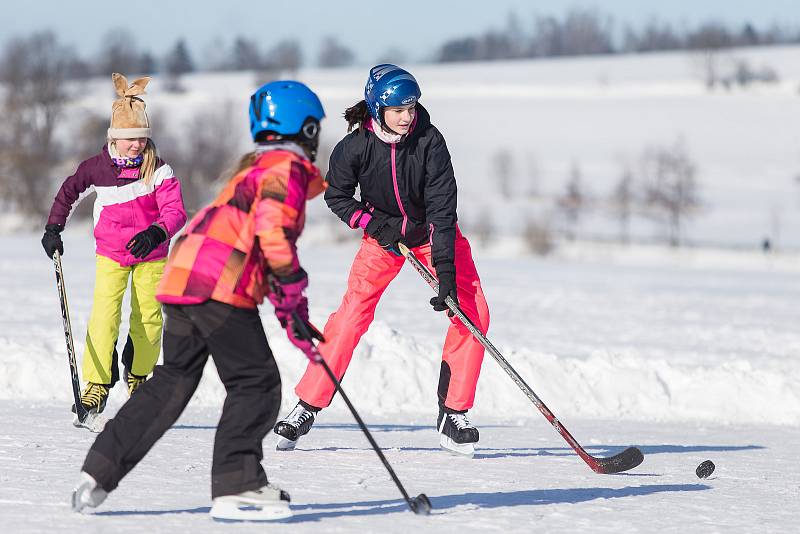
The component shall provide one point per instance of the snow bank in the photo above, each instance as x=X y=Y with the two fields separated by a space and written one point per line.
x=637 y=336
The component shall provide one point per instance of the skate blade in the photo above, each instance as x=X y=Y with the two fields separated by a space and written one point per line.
x=466 y=450
x=284 y=444
x=232 y=510
x=77 y=504
x=94 y=422
x=82 y=498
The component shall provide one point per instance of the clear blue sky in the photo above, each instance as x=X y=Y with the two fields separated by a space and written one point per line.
x=369 y=28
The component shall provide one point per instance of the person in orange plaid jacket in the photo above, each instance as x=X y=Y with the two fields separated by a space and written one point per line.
x=233 y=253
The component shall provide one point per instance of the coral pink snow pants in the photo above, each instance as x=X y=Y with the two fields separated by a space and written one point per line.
x=372 y=270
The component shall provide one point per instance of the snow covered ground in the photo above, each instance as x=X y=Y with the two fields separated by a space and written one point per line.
x=599 y=113
x=691 y=355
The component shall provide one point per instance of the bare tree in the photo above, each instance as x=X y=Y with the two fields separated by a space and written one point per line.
x=215 y=56
x=622 y=198
x=245 y=55
x=538 y=235
x=148 y=63
x=534 y=176
x=34 y=72
x=88 y=141
x=334 y=54
x=177 y=62
x=200 y=160
x=119 y=53
x=483 y=227
x=671 y=188
x=655 y=35
x=573 y=200
x=286 y=56
x=501 y=164
x=708 y=41
x=588 y=32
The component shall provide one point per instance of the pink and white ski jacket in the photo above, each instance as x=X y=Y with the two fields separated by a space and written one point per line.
x=125 y=205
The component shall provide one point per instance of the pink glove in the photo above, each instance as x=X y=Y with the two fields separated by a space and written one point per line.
x=295 y=335
x=287 y=294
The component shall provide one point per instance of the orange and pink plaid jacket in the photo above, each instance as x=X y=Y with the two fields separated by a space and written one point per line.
x=248 y=231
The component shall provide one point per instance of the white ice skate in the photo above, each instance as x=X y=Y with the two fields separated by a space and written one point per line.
x=94 y=422
x=87 y=493
x=456 y=434
x=268 y=503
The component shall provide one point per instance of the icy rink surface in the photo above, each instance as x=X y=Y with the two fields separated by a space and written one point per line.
x=522 y=479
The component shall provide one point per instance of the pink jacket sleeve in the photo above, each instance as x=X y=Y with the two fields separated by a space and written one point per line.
x=171 y=213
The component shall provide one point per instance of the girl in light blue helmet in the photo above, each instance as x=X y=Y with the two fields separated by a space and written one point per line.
x=213 y=282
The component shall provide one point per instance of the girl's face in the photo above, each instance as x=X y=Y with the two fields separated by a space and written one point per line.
x=130 y=148
x=399 y=118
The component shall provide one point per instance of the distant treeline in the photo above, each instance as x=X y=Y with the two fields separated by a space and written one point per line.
x=578 y=32
x=587 y=32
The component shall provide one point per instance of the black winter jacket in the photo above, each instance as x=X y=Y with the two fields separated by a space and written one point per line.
x=411 y=182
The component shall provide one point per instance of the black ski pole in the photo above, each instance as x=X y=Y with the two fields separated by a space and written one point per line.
x=80 y=411
x=420 y=504
x=627 y=459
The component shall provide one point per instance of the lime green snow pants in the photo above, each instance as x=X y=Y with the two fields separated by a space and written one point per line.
x=111 y=281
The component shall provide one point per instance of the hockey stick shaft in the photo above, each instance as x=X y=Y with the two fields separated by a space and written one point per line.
x=73 y=366
x=307 y=334
x=590 y=460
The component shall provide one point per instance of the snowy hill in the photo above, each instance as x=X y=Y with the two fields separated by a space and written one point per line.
x=598 y=113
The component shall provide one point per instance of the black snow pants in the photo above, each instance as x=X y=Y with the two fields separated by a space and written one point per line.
x=236 y=340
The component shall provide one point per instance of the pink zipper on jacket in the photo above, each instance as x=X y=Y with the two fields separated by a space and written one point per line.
x=397 y=190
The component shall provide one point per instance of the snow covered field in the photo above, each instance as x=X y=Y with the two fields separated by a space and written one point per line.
x=690 y=355
x=599 y=113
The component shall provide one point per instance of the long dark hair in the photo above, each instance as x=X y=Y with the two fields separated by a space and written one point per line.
x=356 y=115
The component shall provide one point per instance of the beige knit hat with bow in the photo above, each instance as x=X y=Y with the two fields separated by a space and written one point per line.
x=128 y=117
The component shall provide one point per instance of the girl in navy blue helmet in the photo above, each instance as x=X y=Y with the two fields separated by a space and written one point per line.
x=400 y=163
x=214 y=280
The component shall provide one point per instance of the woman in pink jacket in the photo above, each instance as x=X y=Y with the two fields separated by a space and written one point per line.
x=138 y=208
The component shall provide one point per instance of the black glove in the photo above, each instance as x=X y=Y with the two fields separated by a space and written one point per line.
x=446 y=272
x=146 y=241
x=51 y=240
x=384 y=233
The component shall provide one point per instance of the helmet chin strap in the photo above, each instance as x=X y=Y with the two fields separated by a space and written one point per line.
x=384 y=127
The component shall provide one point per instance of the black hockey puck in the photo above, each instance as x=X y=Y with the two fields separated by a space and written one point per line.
x=705 y=469
x=420 y=504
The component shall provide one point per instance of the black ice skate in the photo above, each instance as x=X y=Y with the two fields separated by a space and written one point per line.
x=133 y=381
x=295 y=425
x=94 y=397
x=456 y=434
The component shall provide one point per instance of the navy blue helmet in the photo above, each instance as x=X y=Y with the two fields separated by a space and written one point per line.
x=387 y=86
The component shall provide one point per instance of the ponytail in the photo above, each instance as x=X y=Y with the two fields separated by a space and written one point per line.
x=245 y=161
x=356 y=115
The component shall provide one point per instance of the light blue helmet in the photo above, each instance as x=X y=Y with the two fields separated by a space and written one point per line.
x=286 y=108
x=388 y=85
